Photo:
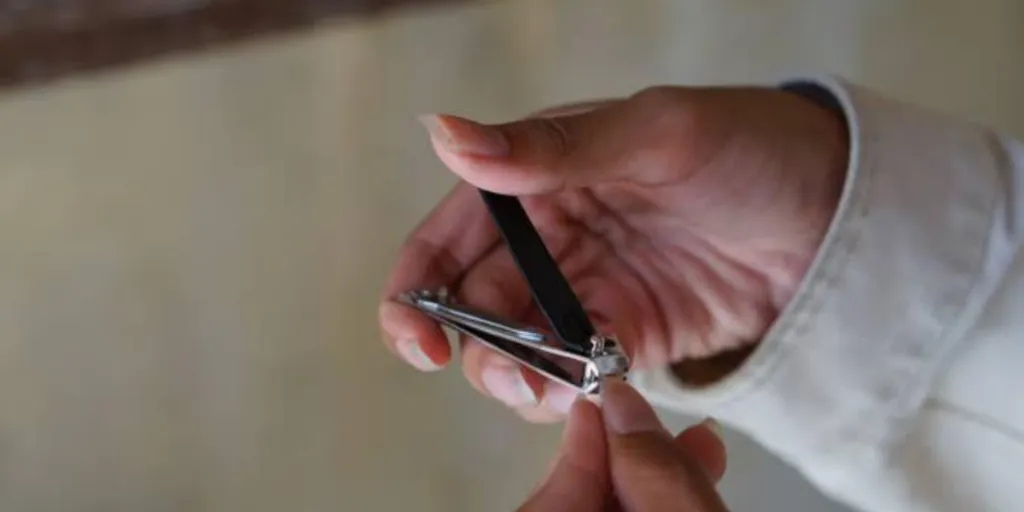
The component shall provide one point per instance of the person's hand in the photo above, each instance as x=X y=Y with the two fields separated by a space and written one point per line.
x=684 y=218
x=622 y=458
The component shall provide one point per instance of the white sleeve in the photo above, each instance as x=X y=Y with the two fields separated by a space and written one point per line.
x=894 y=381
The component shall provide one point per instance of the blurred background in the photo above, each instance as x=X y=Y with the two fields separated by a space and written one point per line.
x=192 y=246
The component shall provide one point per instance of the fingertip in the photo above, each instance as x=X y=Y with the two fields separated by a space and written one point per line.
x=500 y=175
x=513 y=158
x=703 y=443
x=413 y=337
x=536 y=383
x=583 y=438
x=559 y=398
x=506 y=381
x=559 y=402
x=626 y=411
x=584 y=412
x=414 y=354
x=475 y=358
x=713 y=425
x=396 y=318
x=464 y=136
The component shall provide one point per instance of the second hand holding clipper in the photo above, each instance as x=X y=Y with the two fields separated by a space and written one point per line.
x=575 y=354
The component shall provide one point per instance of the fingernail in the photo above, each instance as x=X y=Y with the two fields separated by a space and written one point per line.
x=712 y=425
x=559 y=398
x=626 y=411
x=414 y=355
x=461 y=135
x=508 y=386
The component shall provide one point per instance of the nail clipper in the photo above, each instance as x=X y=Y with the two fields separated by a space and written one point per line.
x=574 y=353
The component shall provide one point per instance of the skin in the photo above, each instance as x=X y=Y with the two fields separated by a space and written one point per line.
x=619 y=457
x=684 y=218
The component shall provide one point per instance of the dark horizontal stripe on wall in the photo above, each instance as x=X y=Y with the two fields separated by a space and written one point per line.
x=43 y=40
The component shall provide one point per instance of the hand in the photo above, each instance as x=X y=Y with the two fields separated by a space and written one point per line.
x=627 y=461
x=684 y=218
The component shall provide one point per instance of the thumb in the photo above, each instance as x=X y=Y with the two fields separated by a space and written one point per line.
x=629 y=140
x=652 y=471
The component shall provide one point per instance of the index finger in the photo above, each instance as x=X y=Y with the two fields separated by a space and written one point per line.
x=578 y=480
x=456 y=234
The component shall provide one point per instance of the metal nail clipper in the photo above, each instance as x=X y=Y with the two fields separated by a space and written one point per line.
x=574 y=353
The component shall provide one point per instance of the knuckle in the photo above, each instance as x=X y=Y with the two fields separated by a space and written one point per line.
x=670 y=117
x=566 y=109
x=657 y=96
x=662 y=101
x=561 y=140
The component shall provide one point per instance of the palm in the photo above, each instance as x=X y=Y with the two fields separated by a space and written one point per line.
x=666 y=290
x=682 y=238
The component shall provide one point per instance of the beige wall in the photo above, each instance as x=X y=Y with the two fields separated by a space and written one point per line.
x=190 y=251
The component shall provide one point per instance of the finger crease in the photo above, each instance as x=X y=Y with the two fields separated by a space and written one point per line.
x=558 y=136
